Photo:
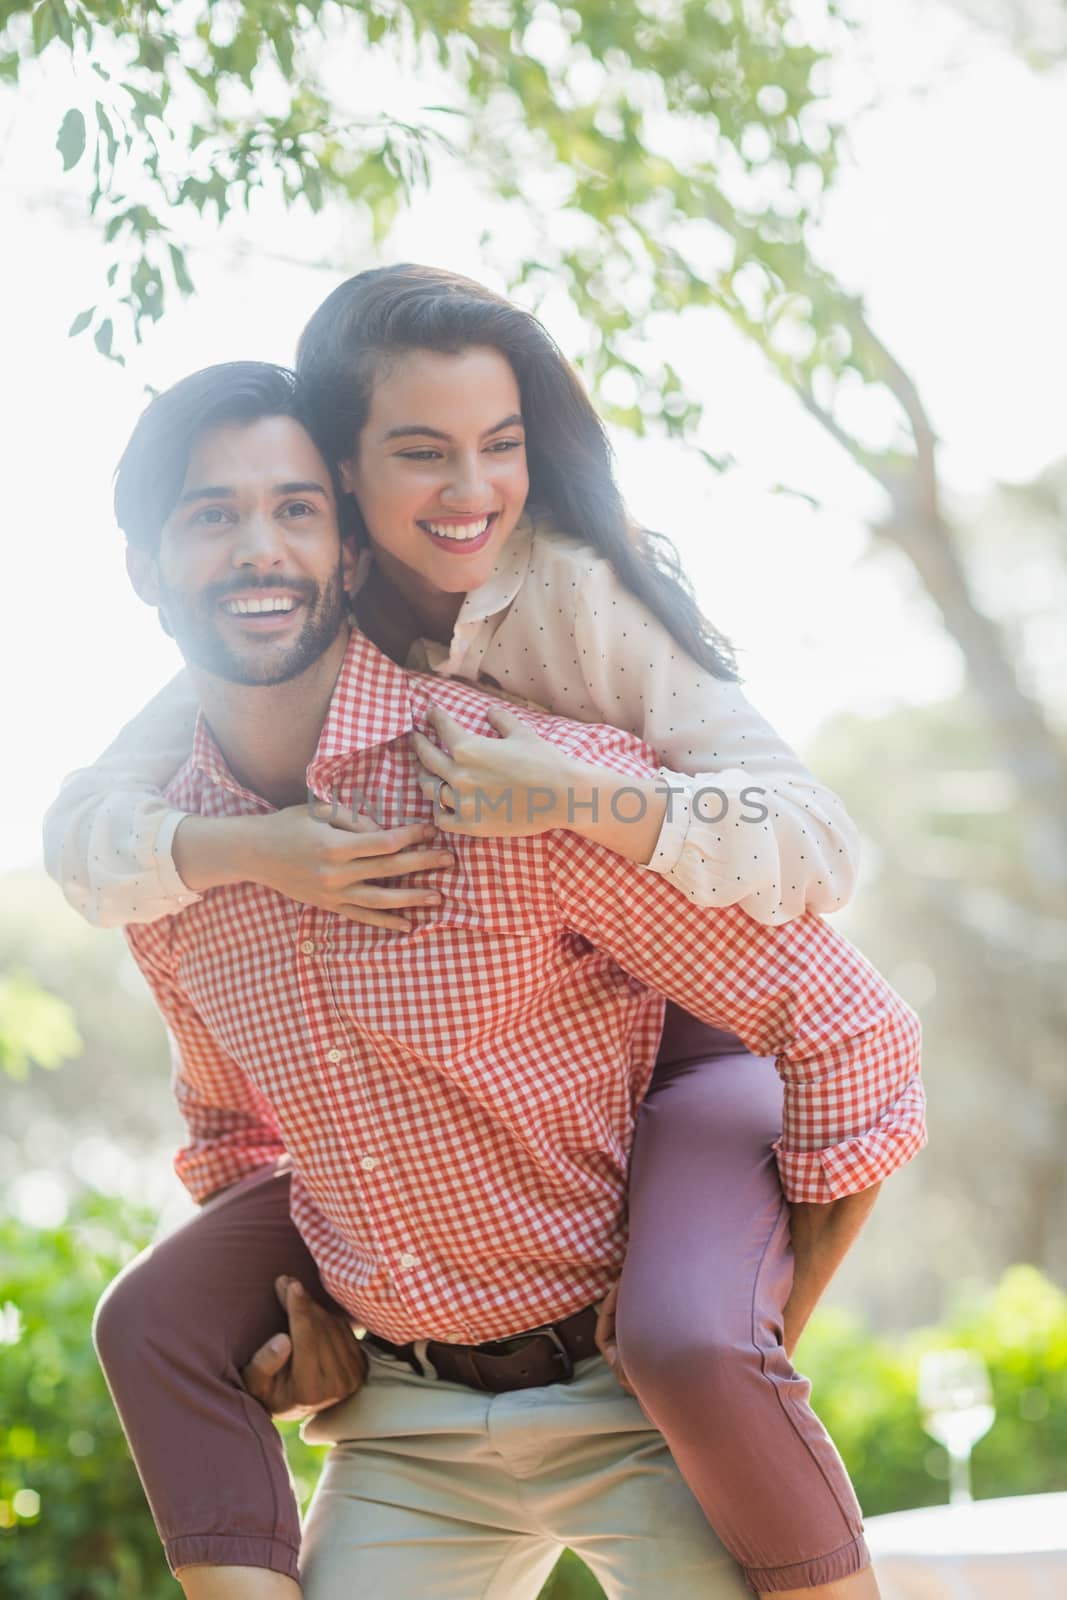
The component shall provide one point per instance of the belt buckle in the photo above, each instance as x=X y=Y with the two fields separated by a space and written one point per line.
x=560 y=1352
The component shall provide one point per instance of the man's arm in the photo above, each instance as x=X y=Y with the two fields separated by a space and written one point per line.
x=822 y=1236
x=233 y=1133
x=232 y=1129
x=847 y=1047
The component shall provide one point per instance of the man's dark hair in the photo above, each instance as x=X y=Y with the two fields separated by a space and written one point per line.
x=149 y=477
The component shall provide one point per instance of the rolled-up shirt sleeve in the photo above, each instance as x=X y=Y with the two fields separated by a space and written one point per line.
x=109 y=834
x=847 y=1046
x=747 y=824
x=232 y=1130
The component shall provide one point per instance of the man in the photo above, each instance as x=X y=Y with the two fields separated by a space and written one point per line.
x=457 y=1104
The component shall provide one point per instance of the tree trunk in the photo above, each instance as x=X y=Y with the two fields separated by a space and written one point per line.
x=1028 y=747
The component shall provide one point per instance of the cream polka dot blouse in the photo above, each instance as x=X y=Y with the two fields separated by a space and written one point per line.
x=747 y=824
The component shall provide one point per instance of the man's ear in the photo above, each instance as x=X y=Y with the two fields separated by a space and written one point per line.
x=143 y=572
x=349 y=562
x=346 y=473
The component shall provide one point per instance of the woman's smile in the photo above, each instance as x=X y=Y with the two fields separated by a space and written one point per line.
x=460 y=535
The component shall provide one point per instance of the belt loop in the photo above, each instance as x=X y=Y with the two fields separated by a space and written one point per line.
x=418 y=1351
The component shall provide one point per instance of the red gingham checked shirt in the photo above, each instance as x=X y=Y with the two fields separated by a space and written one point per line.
x=458 y=1102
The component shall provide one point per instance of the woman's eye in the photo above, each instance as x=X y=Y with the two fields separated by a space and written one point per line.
x=503 y=446
x=419 y=455
x=210 y=516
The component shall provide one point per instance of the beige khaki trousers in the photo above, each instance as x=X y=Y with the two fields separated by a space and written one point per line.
x=433 y=1491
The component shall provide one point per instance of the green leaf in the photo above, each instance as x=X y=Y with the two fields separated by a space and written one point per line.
x=36 y=1028
x=144 y=105
x=377 y=25
x=63 y=24
x=282 y=40
x=103 y=336
x=81 y=322
x=312 y=188
x=180 y=269
x=103 y=122
x=43 y=24
x=70 y=141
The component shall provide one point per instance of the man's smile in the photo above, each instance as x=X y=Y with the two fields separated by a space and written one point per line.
x=262 y=610
x=240 y=608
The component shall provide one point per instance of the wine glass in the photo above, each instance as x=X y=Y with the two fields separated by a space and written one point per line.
x=957 y=1407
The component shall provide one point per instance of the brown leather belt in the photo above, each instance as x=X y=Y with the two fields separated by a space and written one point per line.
x=527 y=1361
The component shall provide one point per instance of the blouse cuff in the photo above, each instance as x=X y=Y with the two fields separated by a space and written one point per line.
x=171 y=885
x=715 y=850
x=672 y=836
x=819 y=1176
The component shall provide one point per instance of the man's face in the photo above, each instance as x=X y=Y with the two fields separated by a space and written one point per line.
x=251 y=573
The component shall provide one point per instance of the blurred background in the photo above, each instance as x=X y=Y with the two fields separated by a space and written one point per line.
x=811 y=260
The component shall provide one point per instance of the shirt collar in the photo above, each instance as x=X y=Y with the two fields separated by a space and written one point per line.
x=208 y=760
x=370 y=705
x=503 y=583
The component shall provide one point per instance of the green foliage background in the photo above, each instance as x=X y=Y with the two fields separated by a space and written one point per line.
x=74 y=1525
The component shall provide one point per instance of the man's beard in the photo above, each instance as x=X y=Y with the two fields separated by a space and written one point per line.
x=195 y=623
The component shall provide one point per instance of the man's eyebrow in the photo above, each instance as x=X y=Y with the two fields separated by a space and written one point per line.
x=221 y=491
x=210 y=491
x=408 y=430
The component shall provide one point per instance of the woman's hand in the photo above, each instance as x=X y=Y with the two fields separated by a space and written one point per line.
x=483 y=788
x=320 y=860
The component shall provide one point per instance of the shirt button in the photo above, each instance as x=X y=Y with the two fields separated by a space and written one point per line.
x=307 y=947
x=333 y=1055
x=408 y=1260
x=368 y=1163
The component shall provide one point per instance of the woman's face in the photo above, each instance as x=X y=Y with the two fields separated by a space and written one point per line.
x=440 y=467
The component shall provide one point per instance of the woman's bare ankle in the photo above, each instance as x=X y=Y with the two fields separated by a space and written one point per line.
x=860 y=1586
x=237 y=1583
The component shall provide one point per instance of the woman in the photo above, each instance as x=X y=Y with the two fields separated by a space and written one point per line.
x=496 y=547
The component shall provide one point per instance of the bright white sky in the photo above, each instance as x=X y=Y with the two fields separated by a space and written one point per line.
x=948 y=221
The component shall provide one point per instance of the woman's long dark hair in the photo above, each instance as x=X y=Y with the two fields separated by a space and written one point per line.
x=392 y=309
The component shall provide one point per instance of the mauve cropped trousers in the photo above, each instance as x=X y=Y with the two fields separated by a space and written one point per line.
x=699 y=1326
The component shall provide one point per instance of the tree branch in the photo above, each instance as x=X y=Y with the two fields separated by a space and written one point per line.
x=917 y=527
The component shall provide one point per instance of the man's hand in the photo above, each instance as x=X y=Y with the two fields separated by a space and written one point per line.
x=821 y=1236
x=605 y=1336
x=318 y=1363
